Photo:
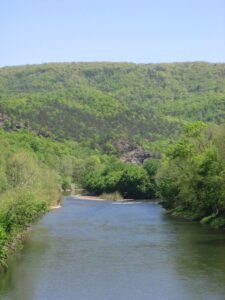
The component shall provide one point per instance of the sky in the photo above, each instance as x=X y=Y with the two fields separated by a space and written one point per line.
x=140 y=31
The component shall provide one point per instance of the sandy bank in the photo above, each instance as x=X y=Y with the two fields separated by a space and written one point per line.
x=55 y=207
x=81 y=197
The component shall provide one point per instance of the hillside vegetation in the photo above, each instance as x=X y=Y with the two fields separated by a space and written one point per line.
x=191 y=180
x=73 y=124
x=98 y=104
x=33 y=170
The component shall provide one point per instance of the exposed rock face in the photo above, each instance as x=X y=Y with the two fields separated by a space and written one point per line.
x=136 y=156
x=124 y=146
x=131 y=153
x=11 y=124
x=3 y=119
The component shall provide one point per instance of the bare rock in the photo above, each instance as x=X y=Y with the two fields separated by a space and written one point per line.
x=136 y=156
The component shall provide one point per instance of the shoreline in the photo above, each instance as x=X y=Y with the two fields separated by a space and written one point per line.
x=96 y=198
x=91 y=198
x=55 y=207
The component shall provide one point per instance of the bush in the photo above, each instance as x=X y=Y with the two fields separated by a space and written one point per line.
x=116 y=196
x=94 y=183
x=66 y=183
x=112 y=180
x=152 y=166
x=133 y=182
x=192 y=178
x=27 y=188
x=21 y=169
x=3 y=249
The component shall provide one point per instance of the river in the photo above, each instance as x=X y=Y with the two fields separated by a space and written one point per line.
x=94 y=250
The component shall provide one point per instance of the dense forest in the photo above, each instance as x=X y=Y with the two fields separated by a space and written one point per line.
x=63 y=125
x=98 y=104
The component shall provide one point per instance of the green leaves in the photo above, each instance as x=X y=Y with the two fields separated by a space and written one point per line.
x=27 y=185
x=192 y=175
x=131 y=181
x=194 y=129
x=21 y=170
x=97 y=104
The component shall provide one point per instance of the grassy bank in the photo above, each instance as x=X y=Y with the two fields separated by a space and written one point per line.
x=20 y=210
x=27 y=189
x=33 y=169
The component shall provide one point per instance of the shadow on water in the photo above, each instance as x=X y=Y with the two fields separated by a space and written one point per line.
x=18 y=266
x=200 y=256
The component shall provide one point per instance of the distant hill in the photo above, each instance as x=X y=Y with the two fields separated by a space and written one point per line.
x=101 y=104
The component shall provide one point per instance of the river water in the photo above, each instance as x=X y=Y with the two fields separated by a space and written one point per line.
x=92 y=250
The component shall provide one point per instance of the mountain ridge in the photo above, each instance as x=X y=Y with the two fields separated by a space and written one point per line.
x=98 y=104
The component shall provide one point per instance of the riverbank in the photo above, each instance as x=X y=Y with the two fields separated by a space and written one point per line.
x=214 y=220
x=22 y=209
x=91 y=198
x=55 y=207
x=96 y=198
x=115 y=196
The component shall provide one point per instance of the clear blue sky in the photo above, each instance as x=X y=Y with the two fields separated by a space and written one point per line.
x=37 y=31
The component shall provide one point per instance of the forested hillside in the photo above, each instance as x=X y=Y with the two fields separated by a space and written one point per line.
x=33 y=170
x=99 y=104
x=64 y=124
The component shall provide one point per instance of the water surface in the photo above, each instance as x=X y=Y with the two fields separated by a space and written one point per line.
x=91 y=250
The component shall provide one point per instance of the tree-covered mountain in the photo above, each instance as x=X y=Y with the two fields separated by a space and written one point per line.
x=99 y=104
x=62 y=124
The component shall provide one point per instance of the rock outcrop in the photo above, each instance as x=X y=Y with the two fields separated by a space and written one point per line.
x=136 y=156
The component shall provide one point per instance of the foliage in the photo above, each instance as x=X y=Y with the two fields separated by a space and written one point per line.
x=116 y=196
x=191 y=180
x=66 y=183
x=31 y=171
x=152 y=166
x=61 y=124
x=97 y=104
x=134 y=182
x=131 y=181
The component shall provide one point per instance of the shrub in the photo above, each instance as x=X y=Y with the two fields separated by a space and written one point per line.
x=116 y=196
